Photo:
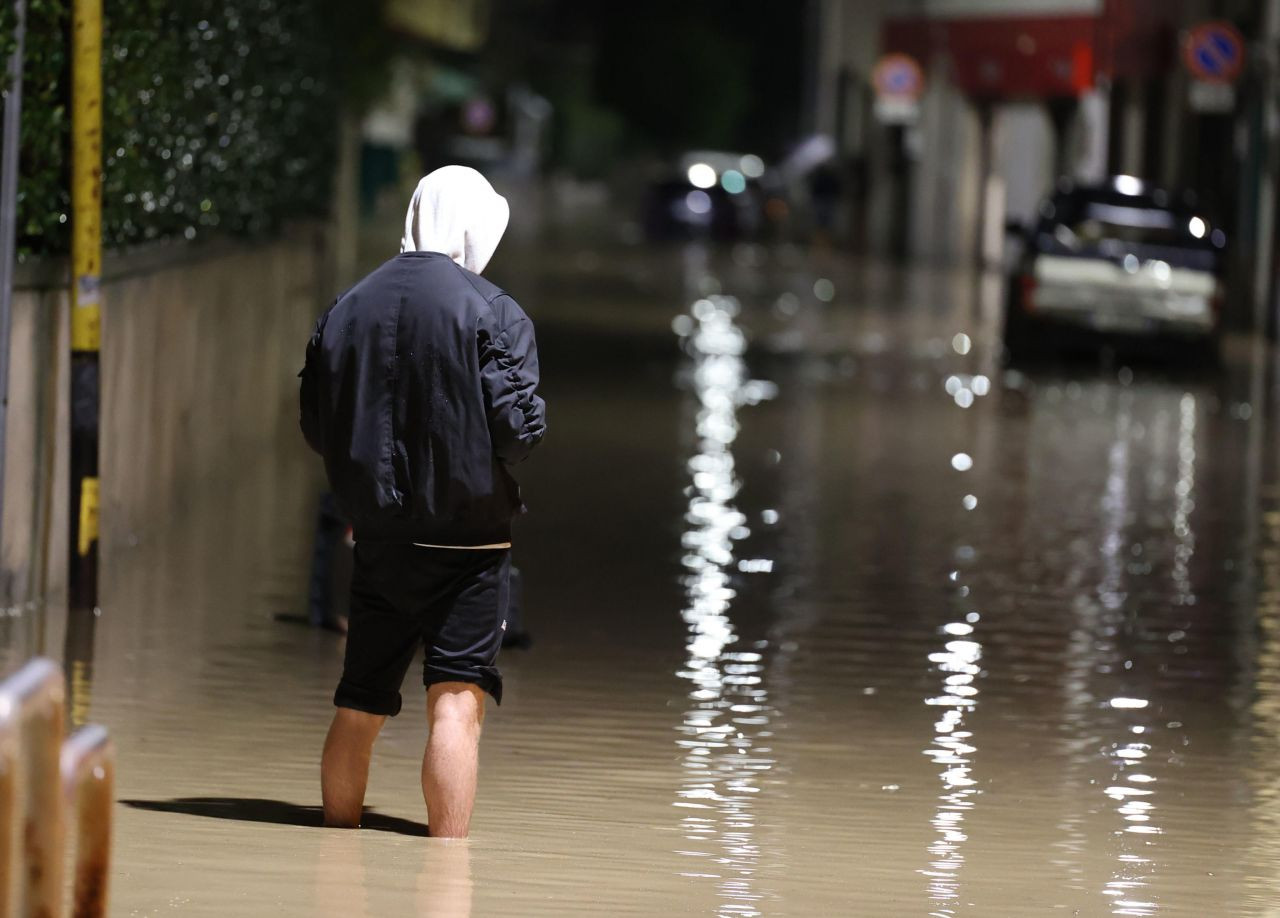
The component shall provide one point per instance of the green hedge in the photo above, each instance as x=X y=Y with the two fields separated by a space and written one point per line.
x=218 y=115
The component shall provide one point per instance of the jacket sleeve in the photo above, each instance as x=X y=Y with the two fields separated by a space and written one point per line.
x=509 y=377
x=308 y=397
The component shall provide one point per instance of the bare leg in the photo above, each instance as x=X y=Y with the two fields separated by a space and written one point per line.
x=455 y=712
x=344 y=768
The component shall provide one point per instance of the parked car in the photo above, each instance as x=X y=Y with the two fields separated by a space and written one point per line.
x=1119 y=259
x=707 y=194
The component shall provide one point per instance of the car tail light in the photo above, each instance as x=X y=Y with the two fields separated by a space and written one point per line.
x=1028 y=299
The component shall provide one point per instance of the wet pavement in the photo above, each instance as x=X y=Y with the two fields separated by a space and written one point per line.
x=833 y=615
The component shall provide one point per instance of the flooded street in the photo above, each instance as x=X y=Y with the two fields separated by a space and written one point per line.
x=833 y=615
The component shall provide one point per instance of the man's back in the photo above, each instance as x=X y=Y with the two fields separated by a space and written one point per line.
x=418 y=390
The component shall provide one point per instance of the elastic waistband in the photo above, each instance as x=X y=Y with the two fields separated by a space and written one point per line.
x=493 y=547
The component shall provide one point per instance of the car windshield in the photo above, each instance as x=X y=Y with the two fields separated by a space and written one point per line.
x=1106 y=223
x=1135 y=225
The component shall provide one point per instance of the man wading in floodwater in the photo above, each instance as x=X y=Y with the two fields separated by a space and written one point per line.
x=419 y=392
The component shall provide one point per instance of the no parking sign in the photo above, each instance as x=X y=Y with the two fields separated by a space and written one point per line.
x=1214 y=52
x=899 y=83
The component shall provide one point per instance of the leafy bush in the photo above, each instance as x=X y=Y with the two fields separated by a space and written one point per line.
x=218 y=115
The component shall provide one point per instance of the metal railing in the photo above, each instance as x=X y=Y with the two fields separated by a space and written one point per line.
x=42 y=781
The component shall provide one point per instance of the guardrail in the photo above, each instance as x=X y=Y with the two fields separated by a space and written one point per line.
x=42 y=780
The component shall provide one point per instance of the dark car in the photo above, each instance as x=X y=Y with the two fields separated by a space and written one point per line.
x=710 y=195
x=1117 y=259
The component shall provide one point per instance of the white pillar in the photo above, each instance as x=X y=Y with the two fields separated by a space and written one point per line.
x=1095 y=116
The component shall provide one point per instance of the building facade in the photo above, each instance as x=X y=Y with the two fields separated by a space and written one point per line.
x=1019 y=93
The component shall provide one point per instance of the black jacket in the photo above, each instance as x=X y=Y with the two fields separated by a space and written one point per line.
x=419 y=391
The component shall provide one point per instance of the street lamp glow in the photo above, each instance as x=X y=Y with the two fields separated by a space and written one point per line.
x=752 y=166
x=1197 y=227
x=702 y=176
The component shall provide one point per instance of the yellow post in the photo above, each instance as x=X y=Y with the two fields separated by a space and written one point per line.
x=86 y=302
x=86 y=174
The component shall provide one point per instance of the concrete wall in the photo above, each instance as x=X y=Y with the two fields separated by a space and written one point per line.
x=200 y=350
x=848 y=37
x=37 y=407
x=947 y=188
x=1024 y=157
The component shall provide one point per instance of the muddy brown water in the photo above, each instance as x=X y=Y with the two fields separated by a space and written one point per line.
x=834 y=615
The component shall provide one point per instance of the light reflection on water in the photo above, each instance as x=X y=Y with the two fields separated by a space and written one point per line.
x=958 y=665
x=729 y=712
x=952 y=750
x=1184 y=492
x=1133 y=787
x=1105 y=673
x=1095 y=650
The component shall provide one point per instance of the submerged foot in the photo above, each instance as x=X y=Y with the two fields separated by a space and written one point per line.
x=339 y=822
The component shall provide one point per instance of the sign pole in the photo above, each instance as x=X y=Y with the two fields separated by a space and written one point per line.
x=86 y=316
x=86 y=340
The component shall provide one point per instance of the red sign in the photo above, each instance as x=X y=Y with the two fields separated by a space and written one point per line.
x=1057 y=53
x=898 y=76
x=1082 y=67
x=1214 y=52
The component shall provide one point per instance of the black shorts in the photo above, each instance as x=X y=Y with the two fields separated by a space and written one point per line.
x=452 y=602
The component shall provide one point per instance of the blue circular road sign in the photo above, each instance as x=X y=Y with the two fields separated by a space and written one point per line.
x=1214 y=52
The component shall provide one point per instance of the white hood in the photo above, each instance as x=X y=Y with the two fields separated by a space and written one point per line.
x=456 y=211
